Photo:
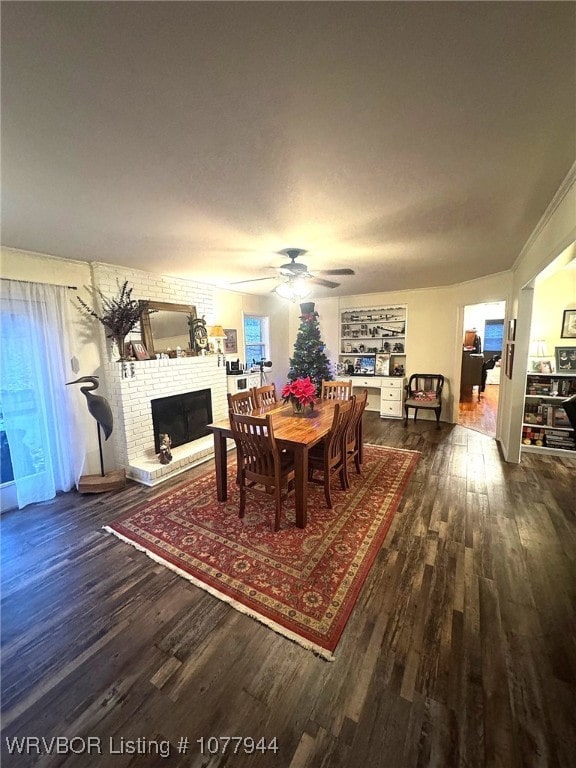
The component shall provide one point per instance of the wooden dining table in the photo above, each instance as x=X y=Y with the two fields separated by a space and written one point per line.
x=295 y=433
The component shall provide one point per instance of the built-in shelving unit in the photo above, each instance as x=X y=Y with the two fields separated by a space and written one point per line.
x=372 y=353
x=545 y=426
x=372 y=340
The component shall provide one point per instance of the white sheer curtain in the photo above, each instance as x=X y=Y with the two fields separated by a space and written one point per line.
x=39 y=418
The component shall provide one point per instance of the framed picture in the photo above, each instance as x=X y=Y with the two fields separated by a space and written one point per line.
x=509 y=360
x=538 y=365
x=364 y=366
x=231 y=341
x=139 y=351
x=569 y=324
x=565 y=359
x=382 y=365
x=512 y=330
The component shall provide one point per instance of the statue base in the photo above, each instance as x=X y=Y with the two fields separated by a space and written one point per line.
x=113 y=481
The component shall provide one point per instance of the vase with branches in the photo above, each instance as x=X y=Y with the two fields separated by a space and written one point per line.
x=118 y=315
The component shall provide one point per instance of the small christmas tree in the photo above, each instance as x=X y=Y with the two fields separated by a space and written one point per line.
x=309 y=356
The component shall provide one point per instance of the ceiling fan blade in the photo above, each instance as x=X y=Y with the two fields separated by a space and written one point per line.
x=254 y=280
x=320 y=281
x=344 y=271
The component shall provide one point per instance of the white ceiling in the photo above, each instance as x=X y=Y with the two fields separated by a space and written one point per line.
x=418 y=143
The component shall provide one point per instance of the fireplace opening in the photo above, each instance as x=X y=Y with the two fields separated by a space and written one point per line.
x=183 y=417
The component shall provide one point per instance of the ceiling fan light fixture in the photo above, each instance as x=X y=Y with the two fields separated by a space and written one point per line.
x=293 y=289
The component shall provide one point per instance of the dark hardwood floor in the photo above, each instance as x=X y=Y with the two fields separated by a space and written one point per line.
x=461 y=650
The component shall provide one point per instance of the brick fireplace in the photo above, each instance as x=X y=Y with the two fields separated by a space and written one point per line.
x=130 y=399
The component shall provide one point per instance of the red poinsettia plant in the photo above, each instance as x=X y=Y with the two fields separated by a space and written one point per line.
x=300 y=393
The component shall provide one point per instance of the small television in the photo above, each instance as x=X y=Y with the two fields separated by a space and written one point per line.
x=365 y=366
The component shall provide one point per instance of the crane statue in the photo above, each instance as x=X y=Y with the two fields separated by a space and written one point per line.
x=98 y=407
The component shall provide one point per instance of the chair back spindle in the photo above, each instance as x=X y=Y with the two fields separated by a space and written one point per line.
x=264 y=395
x=241 y=402
x=336 y=390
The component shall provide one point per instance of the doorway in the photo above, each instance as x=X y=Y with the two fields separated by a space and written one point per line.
x=482 y=344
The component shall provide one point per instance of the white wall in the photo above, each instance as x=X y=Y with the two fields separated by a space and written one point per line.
x=433 y=330
x=553 y=240
x=552 y=295
x=435 y=315
x=229 y=310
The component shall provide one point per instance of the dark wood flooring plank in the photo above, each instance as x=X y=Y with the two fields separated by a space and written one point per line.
x=460 y=650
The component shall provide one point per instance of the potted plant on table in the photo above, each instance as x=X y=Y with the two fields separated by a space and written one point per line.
x=301 y=393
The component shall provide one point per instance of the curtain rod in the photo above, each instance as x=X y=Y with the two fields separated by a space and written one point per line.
x=32 y=282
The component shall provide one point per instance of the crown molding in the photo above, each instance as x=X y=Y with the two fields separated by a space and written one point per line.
x=566 y=185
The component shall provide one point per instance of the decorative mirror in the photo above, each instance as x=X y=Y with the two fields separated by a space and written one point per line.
x=165 y=327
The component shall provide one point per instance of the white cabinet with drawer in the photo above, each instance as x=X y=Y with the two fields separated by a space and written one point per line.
x=385 y=393
x=391 y=397
x=369 y=381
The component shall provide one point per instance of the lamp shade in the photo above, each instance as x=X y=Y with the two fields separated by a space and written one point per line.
x=216 y=332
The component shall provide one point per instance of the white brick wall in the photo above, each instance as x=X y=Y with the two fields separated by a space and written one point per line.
x=130 y=396
x=109 y=278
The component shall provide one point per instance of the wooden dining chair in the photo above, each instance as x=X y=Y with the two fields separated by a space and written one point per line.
x=328 y=455
x=241 y=402
x=264 y=395
x=262 y=467
x=336 y=390
x=353 y=435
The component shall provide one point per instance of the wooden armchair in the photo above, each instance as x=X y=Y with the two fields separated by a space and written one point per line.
x=262 y=468
x=329 y=455
x=264 y=395
x=424 y=390
x=336 y=390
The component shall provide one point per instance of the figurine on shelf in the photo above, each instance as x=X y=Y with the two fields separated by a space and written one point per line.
x=165 y=454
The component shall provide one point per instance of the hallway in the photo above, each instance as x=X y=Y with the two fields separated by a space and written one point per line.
x=480 y=414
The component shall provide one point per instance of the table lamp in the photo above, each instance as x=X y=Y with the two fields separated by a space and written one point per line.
x=216 y=332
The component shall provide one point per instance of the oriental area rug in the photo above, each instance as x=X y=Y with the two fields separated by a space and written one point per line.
x=302 y=583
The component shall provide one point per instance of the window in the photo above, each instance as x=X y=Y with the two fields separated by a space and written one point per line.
x=255 y=339
x=493 y=335
x=37 y=425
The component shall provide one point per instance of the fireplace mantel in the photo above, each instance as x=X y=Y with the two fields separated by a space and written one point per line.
x=130 y=397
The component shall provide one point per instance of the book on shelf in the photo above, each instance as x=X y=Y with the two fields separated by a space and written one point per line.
x=565 y=444
x=539 y=413
x=567 y=387
x=551 y=387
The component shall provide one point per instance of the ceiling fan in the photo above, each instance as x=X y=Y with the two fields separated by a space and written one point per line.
x=293 y=271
